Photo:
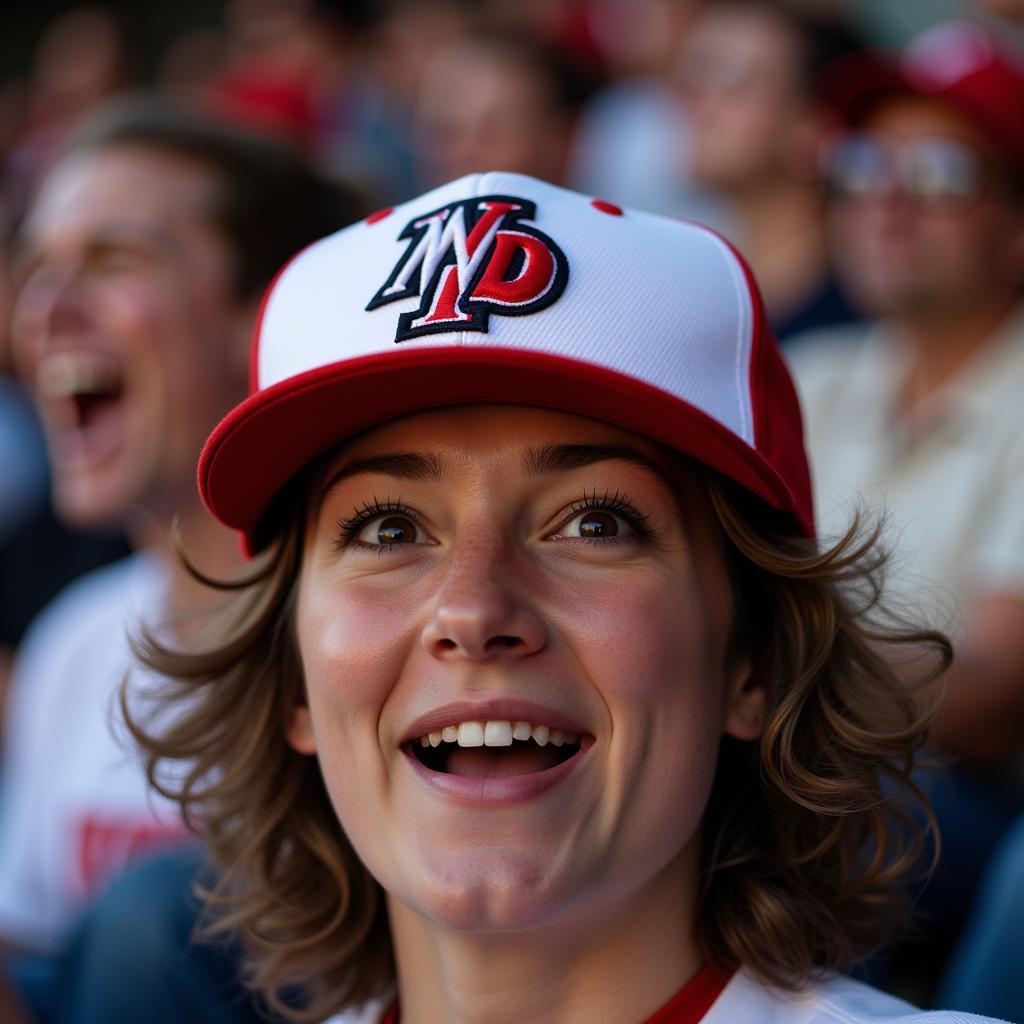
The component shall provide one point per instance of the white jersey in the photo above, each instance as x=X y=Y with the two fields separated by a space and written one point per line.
x=74 y=802
x=951 y=478
x=836 y=1001
x=744 y=1000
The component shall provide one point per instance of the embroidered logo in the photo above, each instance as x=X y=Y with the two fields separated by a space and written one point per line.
x=470 y=259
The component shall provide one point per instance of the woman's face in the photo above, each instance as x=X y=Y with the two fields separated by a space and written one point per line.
x=514 y=629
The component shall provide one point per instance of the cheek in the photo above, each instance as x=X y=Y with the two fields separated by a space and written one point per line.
x=353 y=640
x=668 y=684
x=654 y=647
x=179 y=353
x=747 y=126
x=715 y=137
x=652 y=650
x=27 y=317
x=137 y=313
x=168 y=317
x=643 y=635
x=348 y=647
x=979 y=243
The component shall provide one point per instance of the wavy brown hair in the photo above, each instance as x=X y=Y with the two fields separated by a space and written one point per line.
x=806 y=834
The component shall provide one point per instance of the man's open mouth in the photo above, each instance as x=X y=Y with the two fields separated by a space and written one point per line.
x=84 y=395
x=494 y=749
x=92 y=382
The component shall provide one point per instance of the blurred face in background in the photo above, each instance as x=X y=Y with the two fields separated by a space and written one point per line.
x=751 y=122
x=924 y=218
x=81 y=59
x=481 y=108
x=124 y=327
x=642 y=37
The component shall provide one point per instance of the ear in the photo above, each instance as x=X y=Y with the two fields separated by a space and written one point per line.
x=746 y=703
x=299 y=731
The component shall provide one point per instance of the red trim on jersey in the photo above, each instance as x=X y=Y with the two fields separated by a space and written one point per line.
x=380 y=214
x=687 y=1006
x=695 y=998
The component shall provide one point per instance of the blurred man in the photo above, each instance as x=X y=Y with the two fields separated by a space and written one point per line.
x=923 y=412
x=633 y=140
x=496 y=101
x=38 y=556
x=142 y=263
x=749 y=73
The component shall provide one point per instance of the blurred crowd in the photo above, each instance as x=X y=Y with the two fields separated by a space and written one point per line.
x=878 y=195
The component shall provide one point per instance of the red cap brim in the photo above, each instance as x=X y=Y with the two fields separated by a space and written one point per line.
x=267 y=439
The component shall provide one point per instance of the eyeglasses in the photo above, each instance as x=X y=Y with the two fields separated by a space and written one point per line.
x=937 y=172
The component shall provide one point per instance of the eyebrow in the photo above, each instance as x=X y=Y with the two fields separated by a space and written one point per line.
x=401 y=465
x=557 y=458
x=551 y=458
x=29 y=252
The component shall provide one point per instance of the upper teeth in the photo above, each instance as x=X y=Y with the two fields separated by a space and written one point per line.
x=497 y=734
x=62 y=374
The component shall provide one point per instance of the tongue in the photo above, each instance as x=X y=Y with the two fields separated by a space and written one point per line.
x=91 y=407
x=495 y=762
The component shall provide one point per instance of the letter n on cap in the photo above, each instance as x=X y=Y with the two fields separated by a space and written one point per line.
x=469 y=259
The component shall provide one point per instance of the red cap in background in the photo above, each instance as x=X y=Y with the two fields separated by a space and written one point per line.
x=958 y=63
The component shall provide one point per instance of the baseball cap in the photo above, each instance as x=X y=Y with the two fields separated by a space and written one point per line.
x=499 y=288
x=957 y=63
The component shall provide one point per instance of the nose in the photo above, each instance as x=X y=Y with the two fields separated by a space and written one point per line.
x=480 y=614
x=66 y=311
x=48 y=306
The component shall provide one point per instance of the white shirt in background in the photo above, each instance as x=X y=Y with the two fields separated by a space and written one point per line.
x=74 y=802
x=951 y=481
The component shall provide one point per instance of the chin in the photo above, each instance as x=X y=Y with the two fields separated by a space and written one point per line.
x=110 y=497
x=492 y=891
x=84 y=507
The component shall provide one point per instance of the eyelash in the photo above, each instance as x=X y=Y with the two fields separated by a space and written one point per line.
x=617 y=503
x=349 y=527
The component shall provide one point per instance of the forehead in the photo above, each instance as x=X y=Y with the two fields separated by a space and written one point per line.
x=482 y=77
x=755 y=35
x=130 y=186
x=493 y=433
x=906 y=118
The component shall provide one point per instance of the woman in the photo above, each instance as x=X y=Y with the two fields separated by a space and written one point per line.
x=540 y=702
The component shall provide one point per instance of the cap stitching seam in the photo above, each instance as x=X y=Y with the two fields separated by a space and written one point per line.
x=738 y=375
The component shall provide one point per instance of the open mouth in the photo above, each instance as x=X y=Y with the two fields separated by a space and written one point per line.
x=495 y=749
x=91 y=406
x=85 y=392
x=92 y=382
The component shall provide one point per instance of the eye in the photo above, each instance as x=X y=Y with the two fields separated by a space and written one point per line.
x=595 y=523
x=389 y=531
x=114 y=259
x=602 y=518
x=381 y=526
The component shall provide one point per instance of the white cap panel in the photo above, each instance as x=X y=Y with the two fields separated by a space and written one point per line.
x=685 y=286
